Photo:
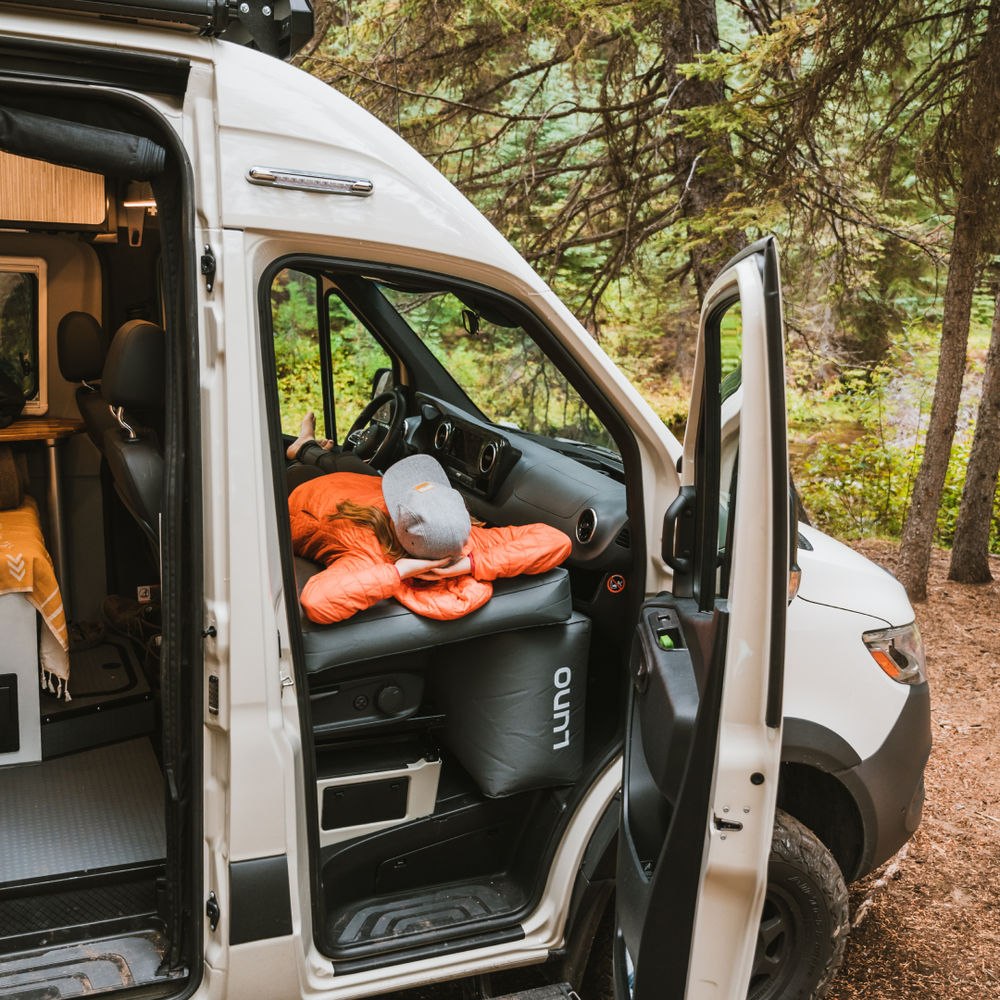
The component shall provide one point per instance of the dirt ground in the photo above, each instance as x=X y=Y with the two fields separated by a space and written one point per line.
x=928 y=921
x=933 y=926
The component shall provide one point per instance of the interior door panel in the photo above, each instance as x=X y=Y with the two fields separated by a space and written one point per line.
x=703 y=744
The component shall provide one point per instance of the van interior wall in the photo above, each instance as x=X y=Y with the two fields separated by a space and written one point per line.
x=74 y=284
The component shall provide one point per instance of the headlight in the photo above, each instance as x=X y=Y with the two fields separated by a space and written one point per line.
x=899 y=652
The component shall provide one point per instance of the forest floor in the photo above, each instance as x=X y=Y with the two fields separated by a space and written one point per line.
x=933 y=927
x=928 y=921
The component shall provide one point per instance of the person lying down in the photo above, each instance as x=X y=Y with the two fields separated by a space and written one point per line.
x=409 y=536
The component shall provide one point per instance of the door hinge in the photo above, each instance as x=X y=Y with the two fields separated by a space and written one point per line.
x=212 y=911
x=208 y=268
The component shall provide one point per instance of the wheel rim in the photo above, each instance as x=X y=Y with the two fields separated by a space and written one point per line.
x=781 y=944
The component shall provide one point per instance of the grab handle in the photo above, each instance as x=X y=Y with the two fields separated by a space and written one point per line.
x=683 y=507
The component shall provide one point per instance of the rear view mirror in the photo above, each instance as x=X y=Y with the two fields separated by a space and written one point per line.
x=470 y=320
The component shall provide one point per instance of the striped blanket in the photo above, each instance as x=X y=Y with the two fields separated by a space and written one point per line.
x=26 y=568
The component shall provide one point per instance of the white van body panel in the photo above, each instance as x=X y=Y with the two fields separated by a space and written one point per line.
x=831 y=678
x=836 y=575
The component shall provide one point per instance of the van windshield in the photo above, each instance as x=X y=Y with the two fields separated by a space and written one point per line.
x=498 y=365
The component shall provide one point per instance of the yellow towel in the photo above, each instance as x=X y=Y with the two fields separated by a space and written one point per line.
x=26 y=568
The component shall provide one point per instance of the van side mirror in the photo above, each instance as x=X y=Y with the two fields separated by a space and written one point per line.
x=382 y=381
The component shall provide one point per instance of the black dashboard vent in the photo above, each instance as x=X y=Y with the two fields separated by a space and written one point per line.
x=586 y=525
x=624 y=538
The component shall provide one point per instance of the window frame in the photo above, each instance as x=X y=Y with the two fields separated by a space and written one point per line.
x=38 y=402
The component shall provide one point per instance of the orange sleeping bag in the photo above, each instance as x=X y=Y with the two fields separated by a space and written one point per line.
x=358 y=573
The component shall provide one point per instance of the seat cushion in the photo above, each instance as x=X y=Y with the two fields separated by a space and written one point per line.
x=387 y=628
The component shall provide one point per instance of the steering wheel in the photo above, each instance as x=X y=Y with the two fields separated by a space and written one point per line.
x=372 y=439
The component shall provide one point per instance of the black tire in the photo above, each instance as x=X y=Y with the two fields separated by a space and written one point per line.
x=803 y=929
x=804 y=926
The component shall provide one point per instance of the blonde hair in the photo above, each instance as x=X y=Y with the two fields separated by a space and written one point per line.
x=378 y=523
x=375 y=520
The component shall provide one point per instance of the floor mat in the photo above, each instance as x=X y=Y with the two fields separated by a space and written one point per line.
x=104 y=673
x=99 y=809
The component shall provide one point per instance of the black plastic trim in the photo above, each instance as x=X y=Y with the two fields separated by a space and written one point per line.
x=888 y=786
x=806 y=742
x=260 y=900
x=671 y=893
x=128 y=69
x=326 y=361
x=68 y=881
x=783 y=544
x=429 y=951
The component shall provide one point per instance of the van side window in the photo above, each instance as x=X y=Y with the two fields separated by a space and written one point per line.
x=324 y=362
x=19 y=291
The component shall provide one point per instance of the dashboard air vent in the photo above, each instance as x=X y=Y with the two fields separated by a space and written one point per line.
x=624 y=538
x=442 y=435
x=586 y=525
x=488 y=457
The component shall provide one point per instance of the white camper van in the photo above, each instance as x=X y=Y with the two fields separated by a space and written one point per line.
x=250 y=804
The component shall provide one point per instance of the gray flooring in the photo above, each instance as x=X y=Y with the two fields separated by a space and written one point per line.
x=97 y=809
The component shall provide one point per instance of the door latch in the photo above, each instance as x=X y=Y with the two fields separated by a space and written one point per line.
x=208 y=268
x=727 y=825
x=212 y=911
x=286 y=681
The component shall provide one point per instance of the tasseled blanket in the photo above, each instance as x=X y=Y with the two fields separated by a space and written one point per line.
x=26 y=568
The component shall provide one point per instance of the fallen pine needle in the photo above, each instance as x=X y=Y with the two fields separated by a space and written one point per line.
x=988 y=816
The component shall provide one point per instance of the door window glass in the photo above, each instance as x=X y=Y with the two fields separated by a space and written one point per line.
x=356 y=357
x=730 y=403
x=337 y=389
x=297 y=349
x=499 y=366
x=19 y=329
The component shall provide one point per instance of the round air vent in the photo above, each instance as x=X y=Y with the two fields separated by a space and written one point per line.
x=442 y=435
x=586 y=525
x=488 y=457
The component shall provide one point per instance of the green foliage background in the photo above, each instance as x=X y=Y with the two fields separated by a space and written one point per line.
x=563 y=123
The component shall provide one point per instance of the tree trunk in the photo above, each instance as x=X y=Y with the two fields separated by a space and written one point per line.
x=970 y=562
x=703 y=172
x=921 y=520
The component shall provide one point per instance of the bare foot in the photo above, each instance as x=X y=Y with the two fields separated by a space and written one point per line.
x=307 y=432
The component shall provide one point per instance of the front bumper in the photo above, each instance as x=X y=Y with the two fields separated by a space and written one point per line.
x=888 y=786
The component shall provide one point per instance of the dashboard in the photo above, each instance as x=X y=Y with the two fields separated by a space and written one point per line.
x=511 y=477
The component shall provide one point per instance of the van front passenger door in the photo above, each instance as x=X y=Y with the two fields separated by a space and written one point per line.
x=703 y=743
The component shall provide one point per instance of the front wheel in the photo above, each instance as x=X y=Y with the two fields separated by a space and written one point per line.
x=804 y=925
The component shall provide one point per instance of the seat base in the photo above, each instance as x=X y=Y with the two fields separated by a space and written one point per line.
x=388 y=629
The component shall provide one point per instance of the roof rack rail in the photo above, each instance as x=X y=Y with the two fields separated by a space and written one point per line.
x=279 y=28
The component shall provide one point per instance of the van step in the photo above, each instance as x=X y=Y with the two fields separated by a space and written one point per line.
x=554 y=991
x=420 y=912
x=95 y=966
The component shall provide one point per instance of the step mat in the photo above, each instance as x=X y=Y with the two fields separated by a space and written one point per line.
x=96 y=966
x=98 y=809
